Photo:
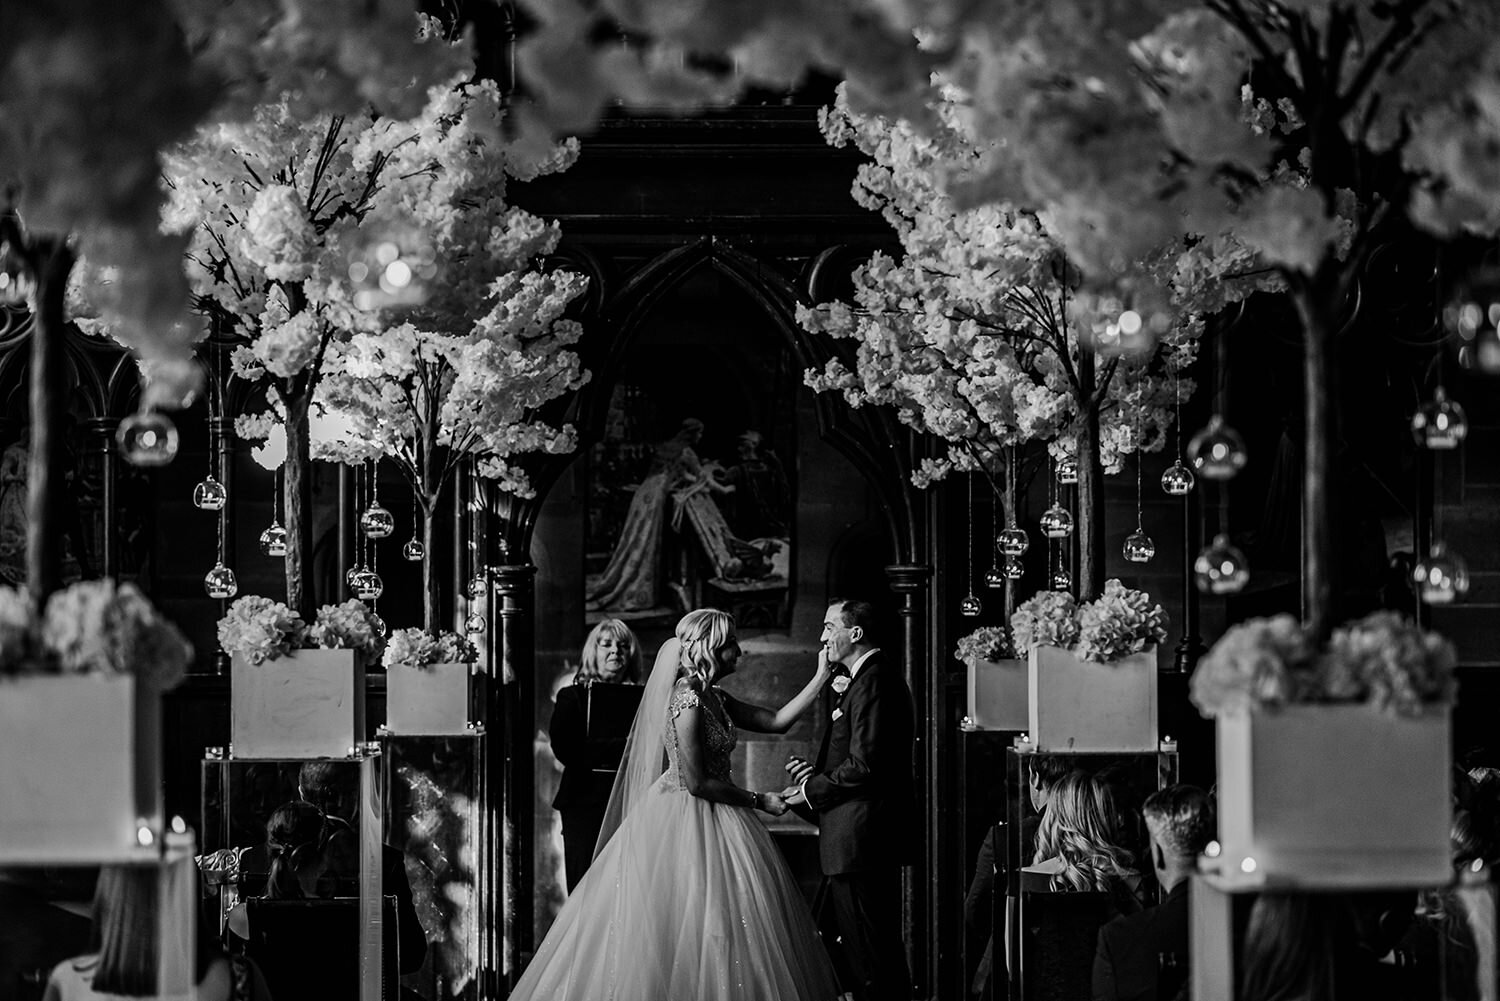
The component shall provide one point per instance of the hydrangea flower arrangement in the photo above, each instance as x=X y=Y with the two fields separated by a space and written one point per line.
x=93 y=627
x=988 y=643
x=1047 y=618
x=260 y=629
x=1382 y=660
x=1120 y=622
x=349 y=626
x=419 y=648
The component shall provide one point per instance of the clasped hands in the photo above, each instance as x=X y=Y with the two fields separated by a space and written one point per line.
x=777 y=803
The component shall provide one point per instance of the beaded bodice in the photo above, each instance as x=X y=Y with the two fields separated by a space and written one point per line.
x=718 y=733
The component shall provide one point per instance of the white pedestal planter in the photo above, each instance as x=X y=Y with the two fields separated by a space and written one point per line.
x=997 y=694
x=1335 y=795
x=80 y=767
x=1076 y=705
x=427 y=700
x=307 y=705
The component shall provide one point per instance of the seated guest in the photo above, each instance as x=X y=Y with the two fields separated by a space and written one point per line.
x=333 y=787
x=1327 y=947
x=123 y=958
x=297 y=837
x=1179 y=824
x=1042 y=773
x=1079 y=844
x=36 y=933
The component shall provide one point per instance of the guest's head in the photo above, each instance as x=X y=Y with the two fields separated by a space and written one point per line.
x=710 y=649
x=691 y=430
x=1180 y=822
x=1044 y=772
x=127 y=916
x=848 y=629
x=1324 y=946
x=296 y=838
x=331 y=786
x=610 y=653
x=1081 y=828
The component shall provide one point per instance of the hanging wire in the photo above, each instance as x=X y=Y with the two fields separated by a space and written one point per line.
x=970 y=479
x=1140 y=460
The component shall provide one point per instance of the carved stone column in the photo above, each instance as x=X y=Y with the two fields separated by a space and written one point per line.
x=511 y=720
x=919 y=890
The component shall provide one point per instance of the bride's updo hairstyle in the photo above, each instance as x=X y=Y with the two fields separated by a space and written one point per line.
x=703 y=632
x=295 y=837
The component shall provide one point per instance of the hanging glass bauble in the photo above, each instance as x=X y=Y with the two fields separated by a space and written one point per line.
x=1012 y=541
x=414 y=550
x=210 y=495
x=377 y=522
x=994 y=577
x=1177 y=479
x=970 y=607
x=1442 y=578
x=474 y=623
x=351 y=573
x=220 y=583
x=147 y=439
x=1217 y=451
x=1057 y=522
x=1067 y=469
x=1138 y=547
x=1221 y=568
x=273 y=540
x=367 y=585
x=1062 y=580
x=379 y=625
x=1440 y=422
x=479 y=586
x=1013 y=568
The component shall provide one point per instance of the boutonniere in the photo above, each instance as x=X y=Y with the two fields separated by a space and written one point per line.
x=837 y=713
x=841 y=683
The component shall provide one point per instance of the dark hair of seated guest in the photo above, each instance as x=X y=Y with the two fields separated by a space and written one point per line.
x=295 y=838
x=126 y=922
x=1322 y=946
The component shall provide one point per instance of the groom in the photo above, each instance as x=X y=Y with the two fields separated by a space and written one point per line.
x=859 y=793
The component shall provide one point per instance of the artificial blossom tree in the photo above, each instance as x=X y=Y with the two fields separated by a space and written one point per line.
x=459 y=372
x=983 y=334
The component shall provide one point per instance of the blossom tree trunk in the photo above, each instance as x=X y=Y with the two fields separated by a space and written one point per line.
x=51 y=262
x=1316 y=301
x=297 y=482
x=1090 y=529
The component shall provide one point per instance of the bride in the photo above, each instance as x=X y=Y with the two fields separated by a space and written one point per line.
x=687 y=897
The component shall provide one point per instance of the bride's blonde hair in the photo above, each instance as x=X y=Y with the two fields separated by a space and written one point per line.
x=703 y=632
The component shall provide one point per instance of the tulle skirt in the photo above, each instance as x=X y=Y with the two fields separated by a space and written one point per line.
x=689 y=901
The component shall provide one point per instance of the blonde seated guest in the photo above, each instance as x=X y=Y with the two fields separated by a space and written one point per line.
x=122 y=962
x=1079 y=844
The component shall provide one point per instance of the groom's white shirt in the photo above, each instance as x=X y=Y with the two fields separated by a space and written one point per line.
x=853 y=670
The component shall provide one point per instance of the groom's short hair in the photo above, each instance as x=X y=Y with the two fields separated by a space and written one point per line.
x=855 y=612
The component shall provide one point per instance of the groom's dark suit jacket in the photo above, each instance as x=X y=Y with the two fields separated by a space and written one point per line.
x=861 y=789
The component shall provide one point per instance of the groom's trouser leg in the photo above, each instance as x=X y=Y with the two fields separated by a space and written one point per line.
x=867 y=907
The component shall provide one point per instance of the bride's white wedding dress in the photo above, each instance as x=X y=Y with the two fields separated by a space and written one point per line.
x=689 y=901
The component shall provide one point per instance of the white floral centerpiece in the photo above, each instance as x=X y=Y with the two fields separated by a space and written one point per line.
x=93 y=665
x=1091 y=668
x=428 y=679
x=298 y=690
x=996 y=680
x=1333 y=758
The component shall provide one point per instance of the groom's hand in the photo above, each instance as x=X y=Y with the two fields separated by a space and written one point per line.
x=799 y=769
x=792 y=796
